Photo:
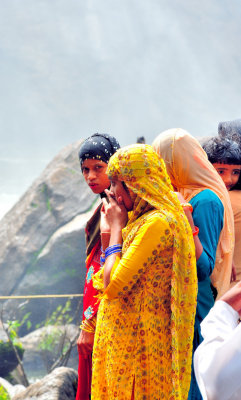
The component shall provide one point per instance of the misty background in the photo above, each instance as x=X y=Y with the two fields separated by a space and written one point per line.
x=70 y=68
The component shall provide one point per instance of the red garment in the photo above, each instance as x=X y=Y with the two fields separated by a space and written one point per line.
x=84 y=377
x=90 y=307
x=90 y=303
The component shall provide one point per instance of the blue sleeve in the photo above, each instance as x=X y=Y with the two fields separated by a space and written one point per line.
x=208 y=213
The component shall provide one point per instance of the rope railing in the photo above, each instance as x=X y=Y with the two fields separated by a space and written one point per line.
x=39 y=296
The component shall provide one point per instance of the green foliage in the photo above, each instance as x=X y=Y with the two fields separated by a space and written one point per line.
x=6 y=348
x=58 y=317
x=3 y=394
x=61 y=315
x=8 y=357
x=54 y=344
x=49 y=207
x=44 y=190
x=49 y=341
x=13 y=327
x=34 y=260
x=34 y=205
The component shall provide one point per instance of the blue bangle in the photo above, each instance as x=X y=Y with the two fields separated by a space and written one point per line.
x=116 y=248
x=102 y=260
x=112 y=252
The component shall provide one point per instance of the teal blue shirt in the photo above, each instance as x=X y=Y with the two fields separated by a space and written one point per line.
x=208 y=212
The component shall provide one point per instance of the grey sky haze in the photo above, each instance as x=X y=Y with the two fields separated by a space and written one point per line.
x=70 y=68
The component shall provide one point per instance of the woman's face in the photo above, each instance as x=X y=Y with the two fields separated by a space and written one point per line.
x=121 y=194
x=94 y=172
x=229 y=173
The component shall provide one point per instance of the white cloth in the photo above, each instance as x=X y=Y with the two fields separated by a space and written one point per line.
x=217 y=361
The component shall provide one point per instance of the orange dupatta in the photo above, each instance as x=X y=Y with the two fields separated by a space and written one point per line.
x=191 y=172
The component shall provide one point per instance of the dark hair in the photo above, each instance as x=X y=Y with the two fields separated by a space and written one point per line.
x=230 y=130
x=224 y=151
x=99 y=146
x=141 y=139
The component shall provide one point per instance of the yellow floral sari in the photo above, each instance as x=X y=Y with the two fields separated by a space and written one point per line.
x=144 y=332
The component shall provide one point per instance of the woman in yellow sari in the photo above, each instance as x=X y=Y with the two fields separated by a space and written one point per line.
x=143 y=340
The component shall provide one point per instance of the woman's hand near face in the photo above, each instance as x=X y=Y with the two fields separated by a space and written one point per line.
x=115 y=213
x=104 y=229
x=116 y=216
x=104 y=224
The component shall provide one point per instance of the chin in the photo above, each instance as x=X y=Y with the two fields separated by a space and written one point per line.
x=96 y=191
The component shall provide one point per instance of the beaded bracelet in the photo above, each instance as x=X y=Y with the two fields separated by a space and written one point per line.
x=196 y=231
x=187 y=205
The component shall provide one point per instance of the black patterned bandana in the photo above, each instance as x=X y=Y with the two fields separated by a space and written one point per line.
x=99 y=146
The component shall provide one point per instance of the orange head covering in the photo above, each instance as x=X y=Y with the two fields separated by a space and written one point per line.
x=191 y=172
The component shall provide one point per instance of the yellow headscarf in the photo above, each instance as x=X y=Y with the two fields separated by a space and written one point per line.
x=190 y=173
x=144 y=172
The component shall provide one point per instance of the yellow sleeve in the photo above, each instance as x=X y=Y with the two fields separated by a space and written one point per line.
x=154 y=236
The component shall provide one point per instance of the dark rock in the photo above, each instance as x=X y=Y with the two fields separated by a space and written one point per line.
x=61 y=384
x=43 y=346
x=42 y=240
x=8 y=357
x=12 y=390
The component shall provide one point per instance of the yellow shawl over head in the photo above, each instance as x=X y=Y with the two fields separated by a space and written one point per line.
x=144 y=172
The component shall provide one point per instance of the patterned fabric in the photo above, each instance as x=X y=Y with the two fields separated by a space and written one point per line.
x=99 y=146
x=143 y=341
x=90 y=304
x=92 y=230
x=190 y=173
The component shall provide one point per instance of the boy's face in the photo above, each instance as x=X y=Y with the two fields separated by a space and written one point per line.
x=94 y=172
x=229 y=173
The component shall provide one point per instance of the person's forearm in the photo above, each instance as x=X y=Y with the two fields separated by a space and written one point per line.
x=198 y=244
x=115 y=238
x=198 y=247
x=105 y=240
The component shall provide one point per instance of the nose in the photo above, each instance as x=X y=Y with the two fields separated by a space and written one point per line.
x=228 y=179
x=91 y=175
